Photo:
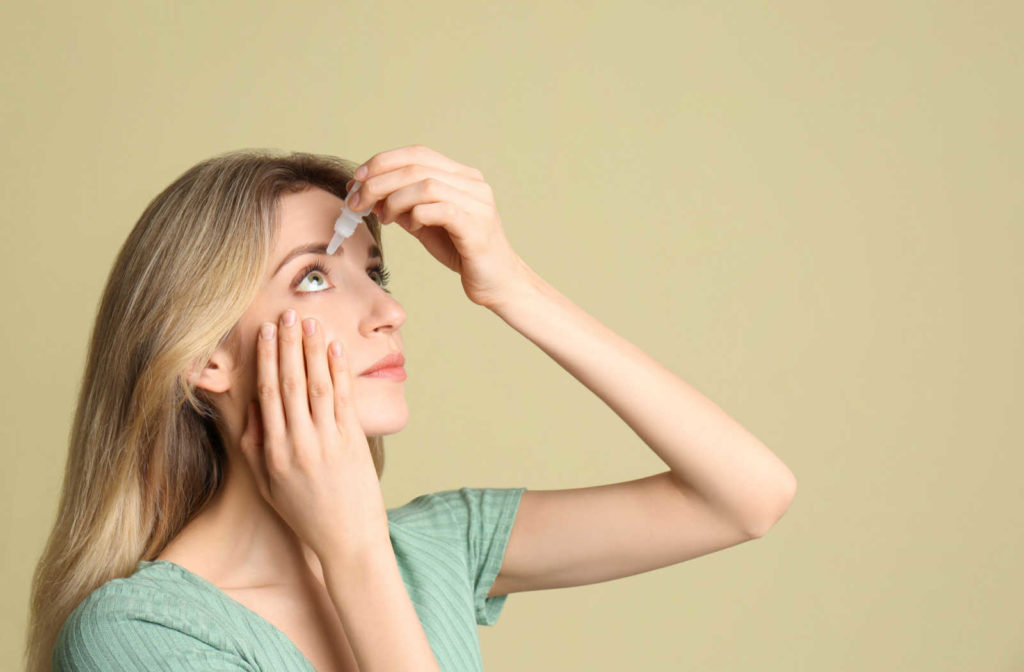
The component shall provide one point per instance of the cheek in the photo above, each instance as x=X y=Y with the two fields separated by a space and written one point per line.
x=249 y=334
x=247 y=365
x=349 y=339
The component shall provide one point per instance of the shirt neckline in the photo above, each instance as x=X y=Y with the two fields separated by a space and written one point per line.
x=209 y=587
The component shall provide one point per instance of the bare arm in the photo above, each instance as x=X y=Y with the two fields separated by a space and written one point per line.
x=710 y=454
x=374 y=607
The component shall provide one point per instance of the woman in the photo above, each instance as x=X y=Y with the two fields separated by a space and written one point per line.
x=219 y=509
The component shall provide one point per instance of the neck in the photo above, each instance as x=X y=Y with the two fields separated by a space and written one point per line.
x=239 y=541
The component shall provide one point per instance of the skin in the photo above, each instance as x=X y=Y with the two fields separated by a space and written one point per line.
x=299 y=531
x=267 y=525
x=691 y=510
x=239 y=539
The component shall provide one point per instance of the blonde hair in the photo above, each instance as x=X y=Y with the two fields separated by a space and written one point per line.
x=145 y=454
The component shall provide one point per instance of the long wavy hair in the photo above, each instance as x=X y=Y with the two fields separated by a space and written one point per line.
x=145 y=453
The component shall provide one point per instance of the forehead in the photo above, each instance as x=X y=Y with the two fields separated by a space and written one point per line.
x=308 y=217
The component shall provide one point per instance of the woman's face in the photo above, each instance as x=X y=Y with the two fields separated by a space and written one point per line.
x=342 y=291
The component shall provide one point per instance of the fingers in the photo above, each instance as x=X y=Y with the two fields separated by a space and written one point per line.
x=292 y=374
x=319 y=385
x=267 y=384
x=429 y=184
x=293 y=380
x=341 y=377
x=382 y=162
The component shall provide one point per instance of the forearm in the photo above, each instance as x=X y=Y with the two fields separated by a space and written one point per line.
x=375 y=609
x=706 y=449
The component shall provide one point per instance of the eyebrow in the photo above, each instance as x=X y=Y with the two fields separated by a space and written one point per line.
x=318 y=248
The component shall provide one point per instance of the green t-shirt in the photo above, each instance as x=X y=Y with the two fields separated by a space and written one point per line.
x=449 y=546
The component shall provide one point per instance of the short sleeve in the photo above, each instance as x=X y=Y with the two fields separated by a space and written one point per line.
x=484 y=518
x=98 y=638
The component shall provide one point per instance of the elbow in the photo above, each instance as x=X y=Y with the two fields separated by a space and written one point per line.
x=772 y=513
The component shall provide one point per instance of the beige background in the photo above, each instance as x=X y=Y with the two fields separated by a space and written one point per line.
x=812 y=212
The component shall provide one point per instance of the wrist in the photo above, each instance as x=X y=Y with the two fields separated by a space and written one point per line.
x=524 y=288
x=351 y=562
x=351 y=554
x=366 y=587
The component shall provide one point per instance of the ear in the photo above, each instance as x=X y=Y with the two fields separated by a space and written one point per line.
x=215 y=375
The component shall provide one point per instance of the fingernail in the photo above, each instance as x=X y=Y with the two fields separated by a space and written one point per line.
x=267 y=330
x=289 y=318
x=354 y=201
x=361 y=172
x=309 y=326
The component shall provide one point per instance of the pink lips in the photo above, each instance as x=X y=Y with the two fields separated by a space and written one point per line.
x=391 y=372
x=391 y=366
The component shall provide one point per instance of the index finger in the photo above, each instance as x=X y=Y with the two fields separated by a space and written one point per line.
x=267 y=388
x=383 y=162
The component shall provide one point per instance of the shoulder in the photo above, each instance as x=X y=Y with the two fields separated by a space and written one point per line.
x=457 y=510
x=145 y=621
x=456 y=505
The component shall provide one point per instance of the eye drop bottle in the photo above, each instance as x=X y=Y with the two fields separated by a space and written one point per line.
x=347 y=221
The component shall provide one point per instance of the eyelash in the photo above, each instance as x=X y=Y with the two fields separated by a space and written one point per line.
x=385 y=274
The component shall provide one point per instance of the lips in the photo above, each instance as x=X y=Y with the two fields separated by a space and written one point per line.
x=392 y=360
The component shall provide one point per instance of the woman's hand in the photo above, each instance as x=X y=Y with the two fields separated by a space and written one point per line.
x=450 y=209
x=306 y=448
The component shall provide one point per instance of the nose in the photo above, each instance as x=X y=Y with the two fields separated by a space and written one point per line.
x=387 y=313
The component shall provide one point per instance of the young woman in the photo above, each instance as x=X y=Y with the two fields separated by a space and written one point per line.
x=221 y=507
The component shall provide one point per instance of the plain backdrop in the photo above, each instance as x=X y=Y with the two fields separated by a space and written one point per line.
x=811 y=212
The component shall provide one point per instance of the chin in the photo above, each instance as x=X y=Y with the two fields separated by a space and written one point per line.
x=384 y=419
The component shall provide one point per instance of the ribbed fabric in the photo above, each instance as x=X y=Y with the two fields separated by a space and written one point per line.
x=449 y=546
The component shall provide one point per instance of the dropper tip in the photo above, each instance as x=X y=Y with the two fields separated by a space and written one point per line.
x=335 y=243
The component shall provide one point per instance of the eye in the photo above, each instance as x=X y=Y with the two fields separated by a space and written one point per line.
x=385 y=275
x=313 y=278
